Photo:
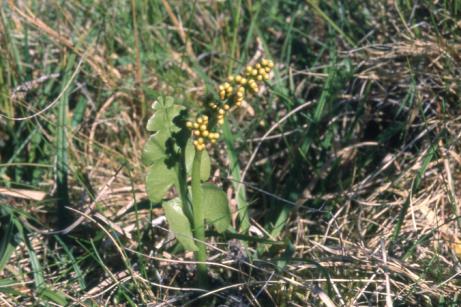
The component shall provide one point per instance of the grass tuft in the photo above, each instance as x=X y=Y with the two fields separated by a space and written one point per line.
x=348 y=165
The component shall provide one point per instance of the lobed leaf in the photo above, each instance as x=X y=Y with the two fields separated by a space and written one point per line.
x=179 y=224
x=155 y=153
x=159 y=180
x=215 y=207
x=154 y=150
x=165 y=111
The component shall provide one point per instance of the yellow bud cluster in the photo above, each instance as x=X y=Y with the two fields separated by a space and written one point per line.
x=248 y=81
x=200 y=131
x=225 y=90
x=232 y=92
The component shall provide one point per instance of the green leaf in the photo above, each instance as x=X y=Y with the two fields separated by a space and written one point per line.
x=7 y=244
x=154 y=150
x=8 y=286
x=165 y=111
x=159 y=180
x=189 y=156
x=216 y=207
x=53 y=295
x=205 y=164
x=179 y=224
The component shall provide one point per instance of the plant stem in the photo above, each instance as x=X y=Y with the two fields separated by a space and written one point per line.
x=242 y=203
x=199 y=221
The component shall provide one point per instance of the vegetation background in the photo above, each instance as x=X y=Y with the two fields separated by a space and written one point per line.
x=354 y=186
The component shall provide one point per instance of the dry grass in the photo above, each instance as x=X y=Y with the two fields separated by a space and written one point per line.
x=354 y=195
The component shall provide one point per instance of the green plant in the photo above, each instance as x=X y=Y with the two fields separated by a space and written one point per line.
x=172 y=156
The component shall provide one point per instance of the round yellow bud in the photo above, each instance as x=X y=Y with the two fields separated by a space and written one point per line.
x=226 y=107
x=254 y=72
x=195 y=125
x=203 y=127
x=244 y=81
x=197 y=132
x=221 y=121
x=205 y=133
x=221 y=111
x=238 y=79
x=199 y=120
x=230 y=78
x=189 y=125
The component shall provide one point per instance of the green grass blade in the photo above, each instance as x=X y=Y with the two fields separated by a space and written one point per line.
x=61 y=146
x=242 y=203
